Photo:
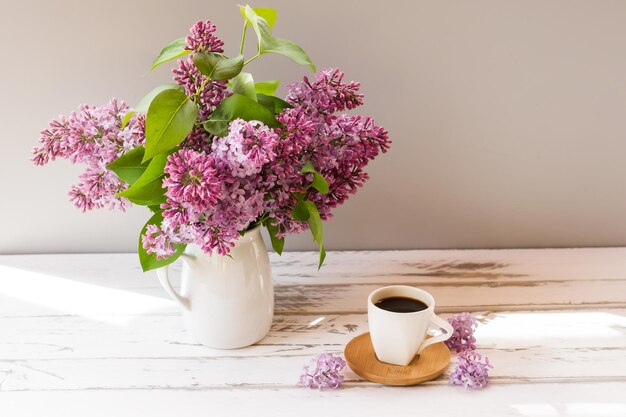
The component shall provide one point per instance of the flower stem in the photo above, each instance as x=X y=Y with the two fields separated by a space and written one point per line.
x=252 y=59
x=200 y=89
x=243 y=37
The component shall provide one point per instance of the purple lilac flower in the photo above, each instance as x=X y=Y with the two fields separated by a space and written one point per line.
x=92 y=136
x=323 y=372
x=326 y=95
x=190 y=78
x=202 y=38
x=471 y=371
x=463 y=337
x=339 y=146
x=198 y=140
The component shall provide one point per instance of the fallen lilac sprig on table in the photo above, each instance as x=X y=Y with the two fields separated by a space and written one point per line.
x=470 y=371
x=463 y=337
x=323 y=372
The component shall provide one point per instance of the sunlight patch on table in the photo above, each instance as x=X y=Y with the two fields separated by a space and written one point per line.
x=537 y=327
x=77 y=298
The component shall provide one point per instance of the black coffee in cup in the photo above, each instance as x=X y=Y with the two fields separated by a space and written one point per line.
x=401 y=304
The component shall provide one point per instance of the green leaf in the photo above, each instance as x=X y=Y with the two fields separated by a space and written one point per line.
x=267 y=87
x=266 y=13
x=128 y=167
x=277 y=243
x=319 y=182
x=273 y=104
x=170 y=118
x=300 y=211
x=322 y=256
x=126 y=119
x=149 y=261
x=217 y=67
x=289 y=49
x=237 y=107
x=315 y=222
x=144 y=103
x=267 y=43
x=148 y=189
x=244 y=84
x=172 y=51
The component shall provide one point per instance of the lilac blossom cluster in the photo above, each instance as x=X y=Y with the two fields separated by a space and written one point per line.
x=210 y=92
x=338 y=146
x=323 y=372
x=212 y=196
x=218 y=187
x=92 y=136
x=202 y=38
x=471 y=371
x=463 y=337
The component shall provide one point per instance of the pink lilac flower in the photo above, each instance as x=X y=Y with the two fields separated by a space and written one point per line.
x=471 y=371
x=97 y=189
x=247 y=148
x=463 y=337
x=159 y=242
x=191 y=179
x=92 y=136
x=323 y=372
x=202 y=38
x=190 y=78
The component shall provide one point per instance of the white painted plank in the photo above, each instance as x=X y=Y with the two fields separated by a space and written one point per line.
x=207 y=372
x=535 y=400
x=122 y=270
x=25 y=293
x=459 y=297
x=68 y=337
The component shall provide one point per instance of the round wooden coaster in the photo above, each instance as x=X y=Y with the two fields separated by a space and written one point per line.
x=431 y=363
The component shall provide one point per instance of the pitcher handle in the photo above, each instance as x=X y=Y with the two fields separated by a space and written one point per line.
x=164 y=278
x=441 y=323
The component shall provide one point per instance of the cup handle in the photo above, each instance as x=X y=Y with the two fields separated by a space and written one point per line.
x=438 y=321
x=164 y=278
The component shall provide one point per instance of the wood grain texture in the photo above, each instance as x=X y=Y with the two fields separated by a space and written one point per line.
x=93 y=331
x=361 y=358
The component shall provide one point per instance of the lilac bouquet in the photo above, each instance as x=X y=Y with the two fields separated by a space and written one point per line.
x=215 y=153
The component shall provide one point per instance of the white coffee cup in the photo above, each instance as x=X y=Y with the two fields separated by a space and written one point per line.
x=398 y=337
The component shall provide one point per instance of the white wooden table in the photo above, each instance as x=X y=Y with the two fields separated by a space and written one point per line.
x=91 y=335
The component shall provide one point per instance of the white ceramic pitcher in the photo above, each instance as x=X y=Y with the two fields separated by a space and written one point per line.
x=227 y=301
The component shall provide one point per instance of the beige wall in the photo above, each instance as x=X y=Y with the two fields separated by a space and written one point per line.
x=508 y=117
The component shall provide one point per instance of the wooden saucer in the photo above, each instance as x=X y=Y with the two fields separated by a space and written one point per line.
x=431 y=363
